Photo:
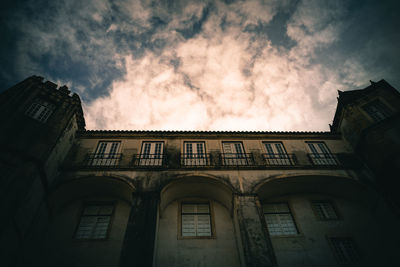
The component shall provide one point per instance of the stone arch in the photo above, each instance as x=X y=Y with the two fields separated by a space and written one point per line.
x=197 y=186
x=90 y=186
x=340 y=186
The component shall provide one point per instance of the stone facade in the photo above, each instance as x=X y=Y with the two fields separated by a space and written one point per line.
x=74 y=197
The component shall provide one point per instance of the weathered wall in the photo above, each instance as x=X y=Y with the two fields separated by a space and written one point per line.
x=219 y=251
x=311 y=248
x=61 y=249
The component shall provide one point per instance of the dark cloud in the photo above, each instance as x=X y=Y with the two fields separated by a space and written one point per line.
x=262 y=53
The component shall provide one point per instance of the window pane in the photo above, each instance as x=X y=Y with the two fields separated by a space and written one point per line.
x=345 y=251
x=279 y=219
x=94 y=222
x=196 y=219
x=325 y=210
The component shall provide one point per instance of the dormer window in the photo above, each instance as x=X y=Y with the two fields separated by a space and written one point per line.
x=40 y=110
x=377 y=110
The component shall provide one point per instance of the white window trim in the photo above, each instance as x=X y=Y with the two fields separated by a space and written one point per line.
x=211 y=214
x=40 y=110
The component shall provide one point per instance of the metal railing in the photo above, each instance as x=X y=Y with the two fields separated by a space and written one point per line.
x=237 y=159
x=195 y=159
x=102 y=159
x=323 y=159
x=148 y=160
x=280 y=159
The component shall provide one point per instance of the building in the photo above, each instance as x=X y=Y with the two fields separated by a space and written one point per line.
x=72 y=197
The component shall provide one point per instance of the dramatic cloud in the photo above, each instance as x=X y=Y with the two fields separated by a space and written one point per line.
x=204 y=65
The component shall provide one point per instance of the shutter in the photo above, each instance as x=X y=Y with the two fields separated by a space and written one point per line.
x=312 y=148
x=200 y=150
x=188 y=225
x=269 y=148
x=238 y=148
x=227 y=147
x=189 y=150
x=203 y=225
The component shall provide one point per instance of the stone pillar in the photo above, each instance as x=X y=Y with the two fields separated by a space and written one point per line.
x=138 y=246
x=256 y=244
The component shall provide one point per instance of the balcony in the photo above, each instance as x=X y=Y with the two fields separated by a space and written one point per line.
x=195 y=160
x=323 y=159
x=237 y=159
x=215 y=160
x=148 y=160
x=102 y=160
x=280 y=159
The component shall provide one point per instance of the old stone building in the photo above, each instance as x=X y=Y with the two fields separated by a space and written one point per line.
x=73 y=197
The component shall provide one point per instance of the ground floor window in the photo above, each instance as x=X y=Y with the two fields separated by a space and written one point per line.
x=95 y=221
x=196 y=220
x=344 y=249
x=279 y=219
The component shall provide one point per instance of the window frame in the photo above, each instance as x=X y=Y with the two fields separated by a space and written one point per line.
x=292 y=214
x=212 y=216
x=334 y=207
x=99 y=160
x=81 y=215
x=335 y=254
x=198 y=161
x=321 y=159
x=277 y=159
x=48 y=107
x=380 y=106
x=236 y=159
x=149 y=158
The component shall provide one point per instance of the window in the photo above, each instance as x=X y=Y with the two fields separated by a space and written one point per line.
x=196 y=221
x=320 y=154
x=152 y=154
x=279 y=219
x=194 y=154
x=234 y=154
x=344 y=250
x=95 y=221
x=324 y=210
x=106 y=154
x=276 y=154
x=377 y=110
x=40 y=110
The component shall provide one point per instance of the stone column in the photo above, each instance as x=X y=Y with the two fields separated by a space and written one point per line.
x=256 y=244
x=138 y=246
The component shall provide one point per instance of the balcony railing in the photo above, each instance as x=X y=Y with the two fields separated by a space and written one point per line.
x=323 y=159
x=204 y=160
x=195 y=159
x=149 y=160
x=102 y=160
x=237 y=159
x=280 y=159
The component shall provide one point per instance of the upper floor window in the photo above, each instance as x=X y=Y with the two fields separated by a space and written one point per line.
x=196 y=220
x=40 y=110
x=276 y=154
x=324 y=210
x=345 y=250
x=279 y=219
x=152 y=154
x=107 y=154
x=377 y=110
x=234 y=154
x=95 y=221
x=320 y=154
x=194 y=154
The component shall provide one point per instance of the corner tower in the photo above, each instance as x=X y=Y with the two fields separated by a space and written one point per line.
x=39 y=123
x=369 y=120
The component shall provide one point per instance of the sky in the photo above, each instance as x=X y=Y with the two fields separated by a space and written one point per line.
x=203 y=65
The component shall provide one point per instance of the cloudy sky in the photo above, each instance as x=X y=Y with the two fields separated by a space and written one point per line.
x=203 y=65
